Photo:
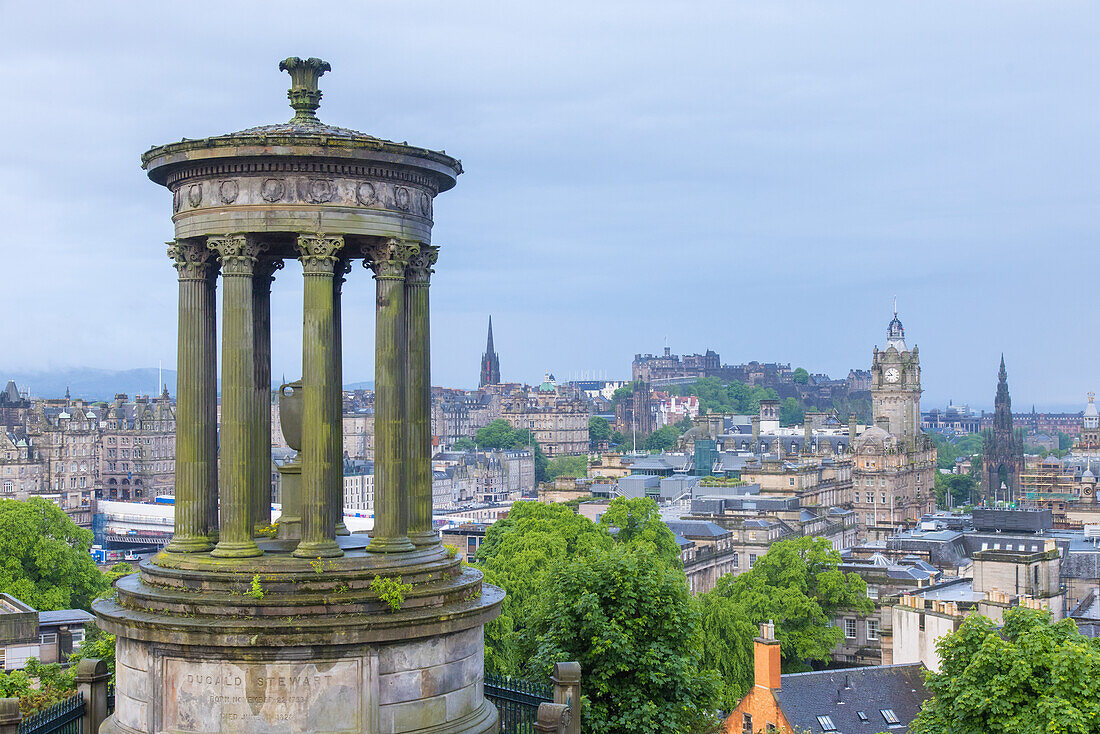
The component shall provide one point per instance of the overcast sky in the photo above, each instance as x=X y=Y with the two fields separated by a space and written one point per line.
x=756 y=178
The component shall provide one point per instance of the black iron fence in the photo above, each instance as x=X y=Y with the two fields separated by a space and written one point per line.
x=61 y=718
x=518 y=702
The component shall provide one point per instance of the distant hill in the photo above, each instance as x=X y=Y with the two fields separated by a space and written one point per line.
x=96 y=384
x=90 y=384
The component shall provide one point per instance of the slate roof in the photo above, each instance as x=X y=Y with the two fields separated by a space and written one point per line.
x=65 y=616
x=697 y=529
x=898 y=688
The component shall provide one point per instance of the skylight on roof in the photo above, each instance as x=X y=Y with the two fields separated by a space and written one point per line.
x=890 y=716
x=826 y=723
x=862 y=716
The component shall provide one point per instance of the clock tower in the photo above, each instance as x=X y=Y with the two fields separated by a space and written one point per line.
x=895 y=383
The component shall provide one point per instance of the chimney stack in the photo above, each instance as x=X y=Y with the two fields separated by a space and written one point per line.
x=766 y=657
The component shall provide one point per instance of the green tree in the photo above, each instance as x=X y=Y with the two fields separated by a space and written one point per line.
x=598 y=429
x=791 y=412
x=961 y=487
x=497 y=435
x=1029 y=676
x=800 y=376
x=799 y=585
x=97 y=644
x=1065 y=441
x=623 y=393
x=516 y=555
x=628 y=619
x=638 y=524
x=567 y=466
x=663 y=439
x=617 y=438
x=464 y=444
x=44 y=556
x=38 y=686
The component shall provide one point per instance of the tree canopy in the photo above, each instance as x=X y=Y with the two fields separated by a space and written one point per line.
x=963 y=489
x=1029 y=676
x=44 y=557
x=464 y=444
x=798 y=585
x=521 y=554
x=791 y=412
x=716 y=396
x=630 y=622
x=567 y=466
x=800 y=375
x=663 y=439
x=598 y=429
x=501 y=435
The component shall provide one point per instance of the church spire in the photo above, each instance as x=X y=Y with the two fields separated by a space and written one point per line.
x=490 y=363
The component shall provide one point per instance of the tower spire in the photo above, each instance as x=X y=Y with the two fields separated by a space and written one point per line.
x=489 y=341
x=490 y=363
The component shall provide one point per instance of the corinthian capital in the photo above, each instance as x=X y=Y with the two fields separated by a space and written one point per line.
x=238 y=253
x=318 y=253
x=389 y=258
x=419 y=271
x=192 y=260
x=265 y=270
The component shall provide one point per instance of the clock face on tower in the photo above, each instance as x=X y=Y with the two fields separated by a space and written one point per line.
x=892 y=375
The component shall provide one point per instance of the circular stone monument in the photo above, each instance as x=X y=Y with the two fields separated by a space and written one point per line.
x=241 y=626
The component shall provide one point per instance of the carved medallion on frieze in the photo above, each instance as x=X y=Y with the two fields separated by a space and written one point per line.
x=366 y=194
x=401 y=198
x=177 y=199
x=228 y=190
x=272 y=189
x=194 y=194
x=425 y=204
x=320 y=190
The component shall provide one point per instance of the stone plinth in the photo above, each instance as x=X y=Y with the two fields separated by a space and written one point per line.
x=198 y=652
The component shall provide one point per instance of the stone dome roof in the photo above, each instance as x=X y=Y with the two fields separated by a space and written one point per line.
x=873 y=437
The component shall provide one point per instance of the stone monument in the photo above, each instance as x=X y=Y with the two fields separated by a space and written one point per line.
x=234 y=627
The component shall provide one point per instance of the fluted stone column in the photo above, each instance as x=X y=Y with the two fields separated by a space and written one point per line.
x=238 y=255
x=388 y=261
x=194 y=392
x=322 y=464
x=210 y=401
x=261 y=334
x=418 y=398
x=343 y=267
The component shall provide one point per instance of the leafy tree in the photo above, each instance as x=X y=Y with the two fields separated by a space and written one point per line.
x=791 y=412
x=629 y=621
x=1065 y=441
x=617 y=438
x=623 y=393
x=1030 y=676
x=685 y=425
x=800 y=376
x=97 y=644
x=962 y=488
x=464 y=444
x=44 y=556
x=598 y=429
x=663 y=439
x=497 y=435
x=516 y=555
x=638 y=523
x=716 y=396
x=38 y=686
x=567 y=466
x=798 y=584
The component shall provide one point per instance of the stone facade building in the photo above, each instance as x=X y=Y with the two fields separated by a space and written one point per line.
x=560 y=425
x=138 y=448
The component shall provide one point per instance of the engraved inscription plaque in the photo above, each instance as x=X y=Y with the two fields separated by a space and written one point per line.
x=256 y=698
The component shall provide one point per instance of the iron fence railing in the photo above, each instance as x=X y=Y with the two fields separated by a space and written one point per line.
x=517 y=701
x=62 y=718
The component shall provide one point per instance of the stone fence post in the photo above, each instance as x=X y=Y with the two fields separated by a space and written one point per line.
x=9 y=716
x=567 y=691
x=91 y=681
x=553 y=718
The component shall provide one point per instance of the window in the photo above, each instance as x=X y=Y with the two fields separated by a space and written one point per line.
x=826 y=723
x=872 y=629
x=752 y=559
x=884 y=496
x=47 y=638
x=882 y=482
x=850 y=629
x=9 y=486
x=735 y=557
x=746 y=723
x=890 y=717
x=872 y=592
x=862 y=715
x=792 y=481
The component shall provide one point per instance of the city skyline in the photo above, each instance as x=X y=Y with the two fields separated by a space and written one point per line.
x=631 y=174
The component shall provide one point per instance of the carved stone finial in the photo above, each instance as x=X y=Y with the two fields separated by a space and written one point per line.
x=304 y=95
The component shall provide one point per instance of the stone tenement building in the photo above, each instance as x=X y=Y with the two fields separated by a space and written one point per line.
x=323 y=650
x=895 y=463
x=138 y=448
x=560 y=425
